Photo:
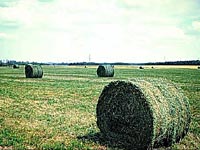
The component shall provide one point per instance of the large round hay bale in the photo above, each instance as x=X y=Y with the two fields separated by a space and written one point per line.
x=105 y=71
x=15 y=66
x=33 y=71
x=143 y=113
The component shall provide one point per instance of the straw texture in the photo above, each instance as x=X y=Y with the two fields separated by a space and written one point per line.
x=105 y=71
x=143 y=113
x=33 y=71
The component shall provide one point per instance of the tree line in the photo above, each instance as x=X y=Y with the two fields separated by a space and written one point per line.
x=187 y=62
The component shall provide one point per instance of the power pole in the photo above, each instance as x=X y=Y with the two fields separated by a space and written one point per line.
x=89 y=57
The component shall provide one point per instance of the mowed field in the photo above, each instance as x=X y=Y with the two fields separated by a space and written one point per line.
x=58 y=111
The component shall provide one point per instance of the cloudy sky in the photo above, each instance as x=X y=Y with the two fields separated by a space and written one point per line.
x=107 y=30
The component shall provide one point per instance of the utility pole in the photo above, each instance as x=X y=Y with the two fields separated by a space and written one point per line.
x=89 y=57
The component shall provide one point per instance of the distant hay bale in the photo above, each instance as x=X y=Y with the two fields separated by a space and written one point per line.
x=141 y=67
x=15 y=66
x=143 y=113
x=33 y=71
x=105 y=71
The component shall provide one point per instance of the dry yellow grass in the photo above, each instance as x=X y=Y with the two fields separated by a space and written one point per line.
x=155 y=66
x=173 y=66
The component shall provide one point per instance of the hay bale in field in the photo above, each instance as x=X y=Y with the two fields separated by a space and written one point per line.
x=105 y=71
x=141 y=67
x=15 y=66
x=143 y=113
x=33 y=71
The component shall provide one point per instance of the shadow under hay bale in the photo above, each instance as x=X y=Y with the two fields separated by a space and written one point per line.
x=97 y=138
x=105 y=71
x=198 y=67
x=33 y=71
x=143 y=113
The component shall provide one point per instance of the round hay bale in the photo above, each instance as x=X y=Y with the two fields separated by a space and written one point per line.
x=141 y=67
x=105 y=71
x=33 y=71
x=15 y=66
x=143 y=113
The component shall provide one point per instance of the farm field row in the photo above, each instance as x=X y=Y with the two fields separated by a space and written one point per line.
x=58 y=111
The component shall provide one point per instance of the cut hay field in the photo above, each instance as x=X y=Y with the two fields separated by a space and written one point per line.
x=58 y=111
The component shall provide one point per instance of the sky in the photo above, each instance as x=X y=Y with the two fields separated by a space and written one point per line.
x=99 y=30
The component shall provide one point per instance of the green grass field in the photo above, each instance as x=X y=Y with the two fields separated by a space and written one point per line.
x=58 y=111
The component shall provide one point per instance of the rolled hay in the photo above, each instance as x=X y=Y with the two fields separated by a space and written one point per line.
x=15 y=66
x=33 y=71
x=143 y=113
x=105 y=71
x=141 y=67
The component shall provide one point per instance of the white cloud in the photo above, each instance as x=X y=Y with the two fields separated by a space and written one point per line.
x=7 y=36
x=110 y=30
x=196 y=25
x=3 y=35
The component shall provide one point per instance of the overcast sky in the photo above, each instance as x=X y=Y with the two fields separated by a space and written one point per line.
x=107 y=30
